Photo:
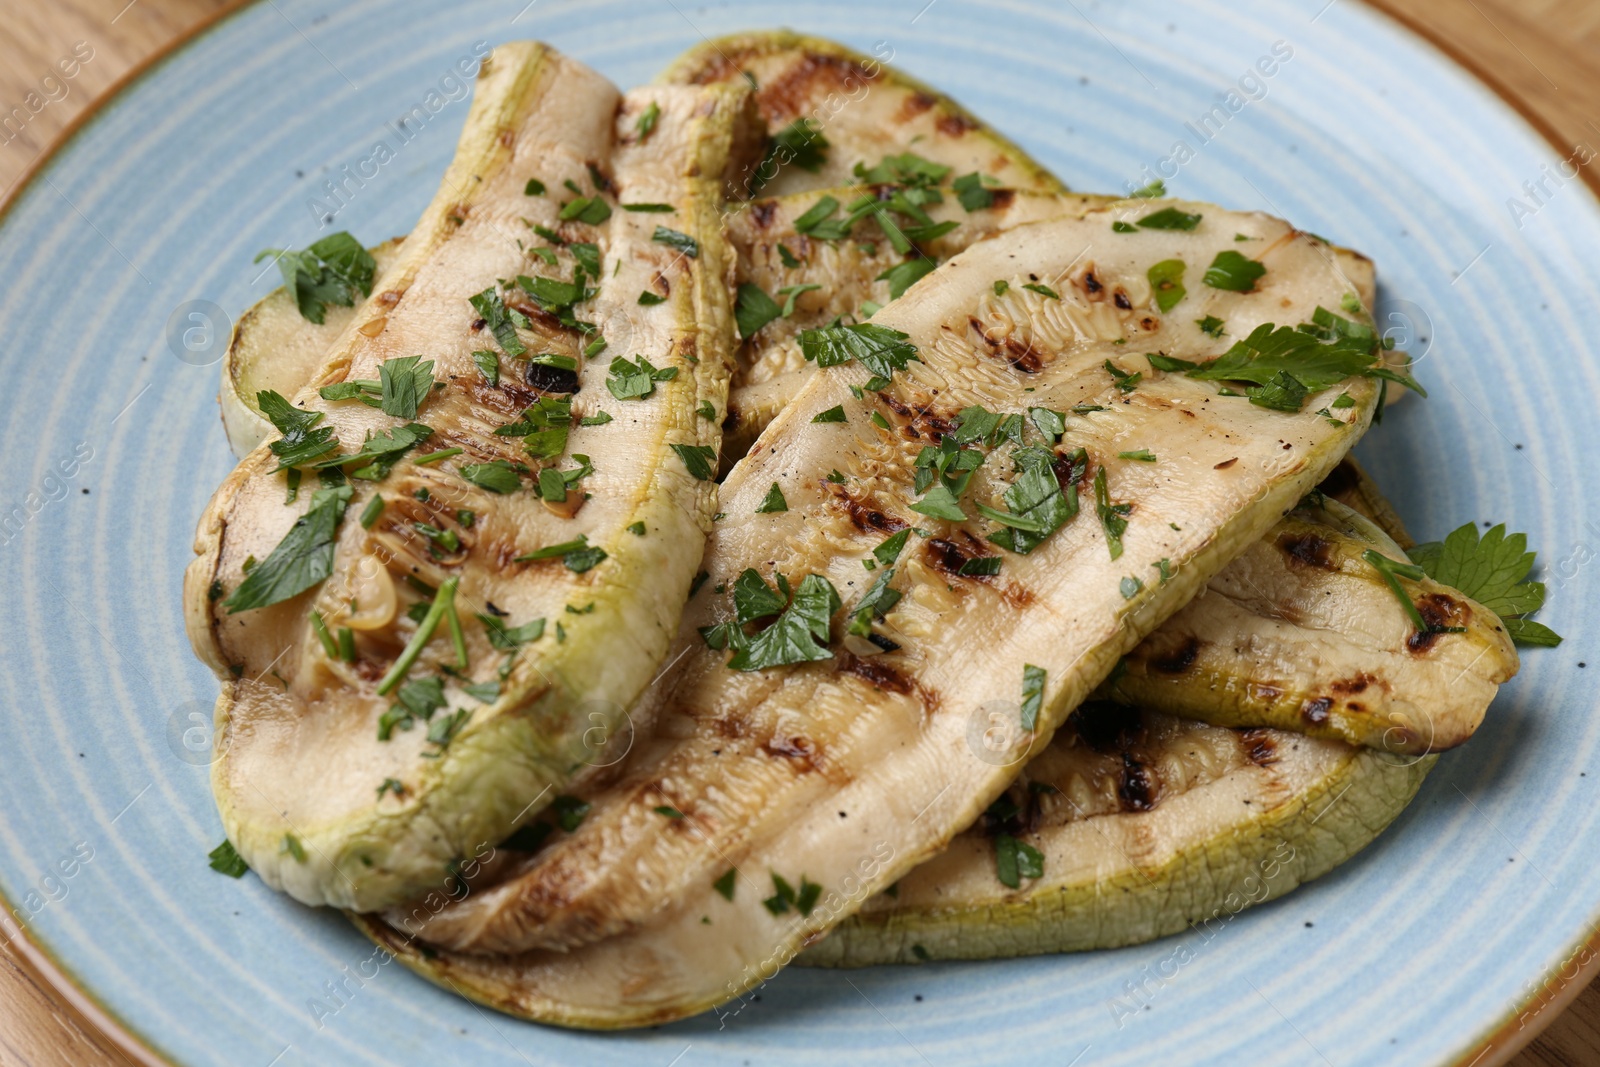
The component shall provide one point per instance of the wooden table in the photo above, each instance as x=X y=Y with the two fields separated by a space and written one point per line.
x=1542 y=55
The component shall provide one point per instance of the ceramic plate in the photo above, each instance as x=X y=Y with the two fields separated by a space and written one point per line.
x=1475 y=902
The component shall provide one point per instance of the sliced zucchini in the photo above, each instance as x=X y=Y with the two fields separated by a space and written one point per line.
x=487 y=608
x=863 y=109
x=1332 y=651
x=822 y=780
x=276 y=348
x=1317 y=681
x=778 y=253
x=1145 y=825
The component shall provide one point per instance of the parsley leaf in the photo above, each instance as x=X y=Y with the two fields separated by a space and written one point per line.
x=1233 y=272
x=1015 y=860
x=508 y=638
x=301 y=560
x=1038 y=504
x=406 y=382
x=1210 y=325
x=1166 y=279
x=1491 y=570
x=753 y=309
x=1126 y=382
x=833 y=414
x=902 y=276
x=799 y=635
x=647 y=121
x=699 y=459
x=578 y=555
x=1170 y=218
x=1033 y=679
x=680 y=241
x=801 y=143
x=226 y=860
x=635 y=381
x=381 y=452
x=880 y=349
x=1113 y=517
x=972 y=192
x=497 y=476
x=331 y=271
x=906 y=168
x=300 y=443
x=492 y=309
x=774 y=502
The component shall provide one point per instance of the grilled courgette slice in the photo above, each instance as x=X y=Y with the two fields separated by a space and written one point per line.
x=1145 y=824
x=823 y=773
x=829 y=108
x=503 y=522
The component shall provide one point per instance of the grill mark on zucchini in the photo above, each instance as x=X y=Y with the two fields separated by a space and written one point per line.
x=1439 y=611
x=1180 y=660
x=1021 y=355
x=863 y=515
x=1309 y=550
x=921 y=420
x=1138 y=787
x=1315 y=711
x=1258 y=747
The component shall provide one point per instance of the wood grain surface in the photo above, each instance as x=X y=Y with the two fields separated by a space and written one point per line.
x=1542 y=55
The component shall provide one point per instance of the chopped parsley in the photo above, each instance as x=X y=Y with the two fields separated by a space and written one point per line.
x=1049 y=422
x=880 y=349
x=226 y=860
x=1492 y=570
x=502 y=321
x=667 y=811
x=570 y=812
x=1210 y=326
x=653 y=209
x=578 y=555
x=682 y=242
x=1118 y=226
x=724 y=884
x=1126 y=382
x=1233 y=272
x=301 y=560
x=980 y=567
x=588 y=209
x=1154 y=191
x=1143 y=455
x=1169 y=218
x=649 y=299
x=976 y=423
x=753 y=309
x=1113 y=517
x=1015 y=860
x=370 y=513
x=1038 y=505
x=801 y=143
x=706 y=410
x=902 y=276
x=647 y=121
x=1033 y=680
x=1131 y=587
x=497 y=476
x=787 y=257
x=509 y=638
x=973 y=192
x=300 y=443
x=636 y=380
x=774 y=502
x=833 y=414
x=334 y=270
x=1166 y=280
x=800 y=633
x=907 y=168
x=1001 y=288
x=488 y=363
x=1042 y=290
x=701 y=460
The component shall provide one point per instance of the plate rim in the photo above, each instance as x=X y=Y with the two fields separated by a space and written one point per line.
x=1497 y=1043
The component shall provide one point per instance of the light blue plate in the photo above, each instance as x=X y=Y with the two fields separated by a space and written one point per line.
x=1439 y=932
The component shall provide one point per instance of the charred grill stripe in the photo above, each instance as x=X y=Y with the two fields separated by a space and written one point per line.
x=1315 y=711
x=863 y=515
x=1308 y=549
x=875 y=673
x=1021 y=355
x=1138 y=787
x=1258 y=747
x=1180 y=659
